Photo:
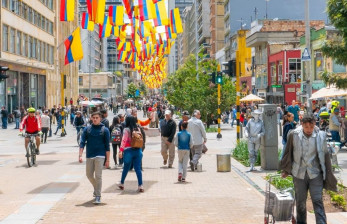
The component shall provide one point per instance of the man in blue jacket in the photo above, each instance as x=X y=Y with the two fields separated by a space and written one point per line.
x=97 y=137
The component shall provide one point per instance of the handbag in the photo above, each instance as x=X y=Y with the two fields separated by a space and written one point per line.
x=204 y=148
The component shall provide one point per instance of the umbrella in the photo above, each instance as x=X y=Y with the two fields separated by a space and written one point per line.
x=327 y=92
x=97 y=102
x=129 y=101
x=251 y=98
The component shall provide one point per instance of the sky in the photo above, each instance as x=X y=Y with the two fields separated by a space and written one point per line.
x=281 y=9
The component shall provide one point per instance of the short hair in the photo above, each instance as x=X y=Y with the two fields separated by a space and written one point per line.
x=96 y=113
x=103 y=111
x=195 y=113
x=308 y=119
x=184 y=125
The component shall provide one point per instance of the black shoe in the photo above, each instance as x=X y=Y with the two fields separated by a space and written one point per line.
x=55 y=133
x=37 y=152
x=192 y=166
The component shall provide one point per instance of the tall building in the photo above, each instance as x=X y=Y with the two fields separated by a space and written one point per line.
x=28 y=47
x=216 y=26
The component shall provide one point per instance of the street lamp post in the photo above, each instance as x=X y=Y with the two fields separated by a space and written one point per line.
x=266 y=1
x=308 y=63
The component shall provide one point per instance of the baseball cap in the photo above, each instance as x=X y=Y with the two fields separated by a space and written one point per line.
x=185 y=113
x=168 y=112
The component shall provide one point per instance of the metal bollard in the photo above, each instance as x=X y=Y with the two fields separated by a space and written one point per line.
x=241 y=131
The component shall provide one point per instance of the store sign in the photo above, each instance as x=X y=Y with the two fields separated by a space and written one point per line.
x=291 y=90
x=276 y=86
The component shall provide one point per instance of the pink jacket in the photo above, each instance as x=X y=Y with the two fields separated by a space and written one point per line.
x=126 y=140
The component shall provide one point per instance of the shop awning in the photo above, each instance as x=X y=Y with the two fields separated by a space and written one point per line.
x=329 y=92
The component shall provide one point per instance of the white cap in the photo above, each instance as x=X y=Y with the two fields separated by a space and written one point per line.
x=168 y=112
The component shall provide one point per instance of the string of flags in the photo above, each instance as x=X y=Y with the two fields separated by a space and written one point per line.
x=143 y=30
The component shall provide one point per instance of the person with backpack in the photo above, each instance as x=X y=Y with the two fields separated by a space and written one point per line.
x=16 y=114
x=184 y=142
x=132 y=142
x=116 y=131
x=97 y=137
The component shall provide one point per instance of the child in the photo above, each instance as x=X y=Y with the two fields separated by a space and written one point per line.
x=183 y=141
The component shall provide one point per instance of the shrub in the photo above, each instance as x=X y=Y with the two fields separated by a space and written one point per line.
x=209 y=130
x=281 y=183
x=240 y=153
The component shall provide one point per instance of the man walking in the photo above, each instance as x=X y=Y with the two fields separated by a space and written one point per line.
x=16 y=114
x=233 y=116
x=294 y=109
x=334 y=126
x=45 y=120
x=197 y=130
x=97 y=137
x=4 y=117
x=168 y=130
x=307 y=159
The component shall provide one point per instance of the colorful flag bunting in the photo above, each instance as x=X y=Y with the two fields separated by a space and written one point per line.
x=67 y=10
x=73 y=46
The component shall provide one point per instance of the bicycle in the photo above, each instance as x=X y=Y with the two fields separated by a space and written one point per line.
x=31 y=149
x=79 y=134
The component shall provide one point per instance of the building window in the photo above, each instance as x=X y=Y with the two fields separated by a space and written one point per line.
x=12 y=39
x=19 y=43
x=273 y=74
x=30 y=15
x=34 y=48
x=25 y=45
x=25 y=11
x=51 y=55
x=5 y=38
x=80 y=81
x=5 y=3
x=43 y=49
x=294 y=70
x=47 y=53
x=38 y=50
x=280 y=73
x=30 y=46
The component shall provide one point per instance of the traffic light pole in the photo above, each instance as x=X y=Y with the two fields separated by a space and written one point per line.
x=238 y=74
x=219 y=135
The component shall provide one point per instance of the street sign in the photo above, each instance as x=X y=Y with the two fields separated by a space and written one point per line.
x=305 y=55
x=276 y=86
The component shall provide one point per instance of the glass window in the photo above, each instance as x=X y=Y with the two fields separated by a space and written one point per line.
x=25 y=11
x=80 y=80
x=30 y=46
x=12 y=40
x=19 y=8
x=25 y=45
x=50 y=4
x=35 y=18
x=30 y=15
x=18 y=43
x=38 y=50
x=337 y=68
x=280 y=73
x=39 y=20
x=51 y=55
x=33 y=50
x=43 y=49
x=5 y=3
x=5 y=38
x=51 y=27
x=273 y=74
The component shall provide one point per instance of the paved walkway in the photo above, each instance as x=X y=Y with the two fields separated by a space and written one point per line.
x=57 y=191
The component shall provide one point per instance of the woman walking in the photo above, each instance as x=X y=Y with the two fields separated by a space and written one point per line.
x=131 y=155
x=116 y=131
x=287 y=126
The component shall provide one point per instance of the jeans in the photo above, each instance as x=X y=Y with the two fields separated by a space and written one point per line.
x=183 y=157
x=94 y=174
x=335 y=136
x=284 y=148
x=17 y=123
x=4 y=122
x=315 y=186
x=58 y=127
x=132 y=156
x=232 y=122
x=44 y=134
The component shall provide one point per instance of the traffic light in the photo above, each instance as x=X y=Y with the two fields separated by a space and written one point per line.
x=212 y=77
x=3 y=75
x=230 y=68
x=220 y=78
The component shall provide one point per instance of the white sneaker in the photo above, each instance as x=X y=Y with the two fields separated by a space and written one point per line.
x=97 y=200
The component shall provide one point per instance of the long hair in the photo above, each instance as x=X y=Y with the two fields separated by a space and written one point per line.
x=115 y=121
x=130 y=122
x=286 y=118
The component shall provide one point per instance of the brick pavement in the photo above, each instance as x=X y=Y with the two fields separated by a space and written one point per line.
x=207 y=197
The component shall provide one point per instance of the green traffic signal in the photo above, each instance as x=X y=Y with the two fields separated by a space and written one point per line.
x=219 y=78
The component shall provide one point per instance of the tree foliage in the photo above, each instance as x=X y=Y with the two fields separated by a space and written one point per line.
x=132 y=90
x=336 y=47
x=189 y=89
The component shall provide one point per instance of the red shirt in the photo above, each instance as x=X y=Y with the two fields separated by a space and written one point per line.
x=31 y=124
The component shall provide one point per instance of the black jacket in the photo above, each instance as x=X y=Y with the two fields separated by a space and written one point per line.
x=168 y=129
x=106 y=123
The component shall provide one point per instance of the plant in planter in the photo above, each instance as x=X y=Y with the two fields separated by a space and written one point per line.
x=240 y=153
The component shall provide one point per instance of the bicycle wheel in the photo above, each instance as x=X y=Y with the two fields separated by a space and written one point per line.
x=33 y=154
x=28 y=155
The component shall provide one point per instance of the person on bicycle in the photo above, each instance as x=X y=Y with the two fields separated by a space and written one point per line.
x=32 y=125
x=78 y=121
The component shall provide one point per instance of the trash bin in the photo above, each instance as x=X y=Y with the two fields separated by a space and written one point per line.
x=223 y=163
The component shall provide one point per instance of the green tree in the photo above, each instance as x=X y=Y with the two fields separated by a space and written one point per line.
x=143 y=89
x=336 y=47
x=132 y=90
x=190 y=89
